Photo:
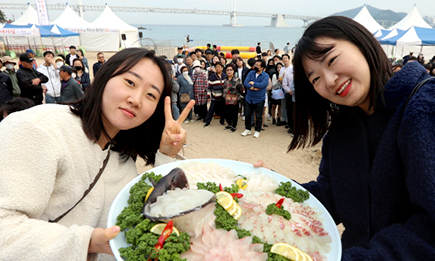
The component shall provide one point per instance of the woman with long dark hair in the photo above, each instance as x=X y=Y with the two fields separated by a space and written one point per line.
x=81 y=76
x=125 y=114
x=377 y=170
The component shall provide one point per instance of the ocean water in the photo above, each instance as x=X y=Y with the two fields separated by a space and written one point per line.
x=174 y=35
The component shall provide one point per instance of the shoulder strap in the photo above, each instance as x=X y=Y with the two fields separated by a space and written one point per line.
x=88 y=190
x=416 y=88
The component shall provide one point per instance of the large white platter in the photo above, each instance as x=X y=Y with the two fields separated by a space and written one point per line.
x=239 y=168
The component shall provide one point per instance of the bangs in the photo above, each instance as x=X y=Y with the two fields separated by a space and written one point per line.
x=312 y=50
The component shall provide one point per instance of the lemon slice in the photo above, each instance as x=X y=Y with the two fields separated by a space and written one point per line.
x=158 y=229
x=286 y=251
x=233 y=208
x=149 y=193
x=238 y=212
x=224 y=199
x=304 y=256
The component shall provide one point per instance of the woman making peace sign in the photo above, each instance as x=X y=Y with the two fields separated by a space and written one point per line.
x=52 y=153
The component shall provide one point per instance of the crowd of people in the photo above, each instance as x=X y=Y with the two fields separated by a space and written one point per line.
x=58 y=79
x=257 y=90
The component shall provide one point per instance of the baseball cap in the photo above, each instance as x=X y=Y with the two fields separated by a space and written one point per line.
x=30 y=51
x=8 y=59
x=66 y=68
x=208 y=52
x=25 y=58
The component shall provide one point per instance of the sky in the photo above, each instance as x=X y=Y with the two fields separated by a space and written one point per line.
x=299 y=7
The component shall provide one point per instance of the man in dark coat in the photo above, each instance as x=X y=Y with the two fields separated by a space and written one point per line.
x=5 y=87
x=70 y=88
x=30 y=80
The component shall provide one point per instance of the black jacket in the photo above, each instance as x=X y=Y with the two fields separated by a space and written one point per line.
x=28 y=90
x=5 y=88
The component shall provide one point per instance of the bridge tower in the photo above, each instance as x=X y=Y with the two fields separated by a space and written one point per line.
x=233 y=15
x=278 y=21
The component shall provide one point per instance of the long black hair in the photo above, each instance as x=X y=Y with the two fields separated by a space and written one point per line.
x=312 y=110
x=143 y=140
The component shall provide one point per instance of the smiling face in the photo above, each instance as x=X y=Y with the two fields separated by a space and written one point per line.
x=129 y=99
x=342 y=75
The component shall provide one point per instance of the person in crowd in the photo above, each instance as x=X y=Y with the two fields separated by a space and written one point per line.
x=258 y=49
x=105 y=132
x=406 y=57
x=275 y=100
x=209 y=58
x=6 y=88
x=193 y=56
x=99 y=63
x=234 y=54
x=276 y=52
x=266 y=106
x=179 y=52
x=269 y=54
x=285 y=117
x=52 y=86
x=397 y=67
x=376 y=174
x=223 y=61
x=178 y=64
x=200 y=85
x=215 y=92
x=9 y=63
x=255 y=84
x=287 y=48
x=233 y=90
x=203 y=64
x=287 y=81
x=420 y=58
x=221 y=54
x=174 y=98
x=30 y=80
x=81 y=76
x=215 y=51
x=270 y=68
x=14 y=105
x=186 y=91
x=432 y=70
x=71 y=89
x=84 y=60
x=208 y=47
x=59 y=60
x=264 y=56
x=241 y=72
x=211 y=69
x=189 y=63
x=200 y=54
x=69 y=60
x=32 y=54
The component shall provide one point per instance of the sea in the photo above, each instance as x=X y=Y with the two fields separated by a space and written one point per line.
x=175 y=35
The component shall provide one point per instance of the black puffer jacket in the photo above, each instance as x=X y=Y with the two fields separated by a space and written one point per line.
x=28 y=90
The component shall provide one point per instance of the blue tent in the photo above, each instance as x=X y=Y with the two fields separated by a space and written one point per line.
x=55 y=31
x=418 y=36
x=381 y=33
x=392 y=37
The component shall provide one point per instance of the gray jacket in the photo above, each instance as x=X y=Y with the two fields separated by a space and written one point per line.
x=175 y=90
x=71 y=92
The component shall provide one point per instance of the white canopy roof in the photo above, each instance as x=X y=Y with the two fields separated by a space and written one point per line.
x=29 y=17
x=71 y=21
x=413 y=18
x=366 y=19
x=109 y=20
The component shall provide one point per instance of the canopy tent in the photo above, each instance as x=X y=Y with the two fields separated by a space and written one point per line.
x=72 y=21
x=413 y=18
x=109 y=20
x=92 y=38
x=392 y=37
x=366 y=19
x=418 y=36
x=379 y=34
x=29 y=17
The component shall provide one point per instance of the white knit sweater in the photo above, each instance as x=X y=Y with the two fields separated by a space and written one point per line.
x=46 y=164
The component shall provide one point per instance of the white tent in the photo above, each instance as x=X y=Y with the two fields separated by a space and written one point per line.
x=29 y=17
x=91 y=38
x=366 y=19
x=72 y=21
x=413 y=18
x=109 y=20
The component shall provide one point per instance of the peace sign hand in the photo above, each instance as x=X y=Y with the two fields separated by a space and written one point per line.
x=174 y=136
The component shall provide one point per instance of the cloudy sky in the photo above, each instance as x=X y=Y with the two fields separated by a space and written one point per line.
x=304 y=7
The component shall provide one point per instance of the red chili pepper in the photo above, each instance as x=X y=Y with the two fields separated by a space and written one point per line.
x=279 y=204
x=237 y=195
x=220 y=187
x=165 y=234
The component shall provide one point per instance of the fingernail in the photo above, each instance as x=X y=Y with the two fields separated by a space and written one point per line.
x=175 y=143
x=115 y=229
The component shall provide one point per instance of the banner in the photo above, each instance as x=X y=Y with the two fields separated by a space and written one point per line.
x=41 y=10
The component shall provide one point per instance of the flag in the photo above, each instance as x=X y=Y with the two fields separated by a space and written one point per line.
x=41 y=10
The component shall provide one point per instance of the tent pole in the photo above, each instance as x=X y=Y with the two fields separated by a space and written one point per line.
x=421 y=49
